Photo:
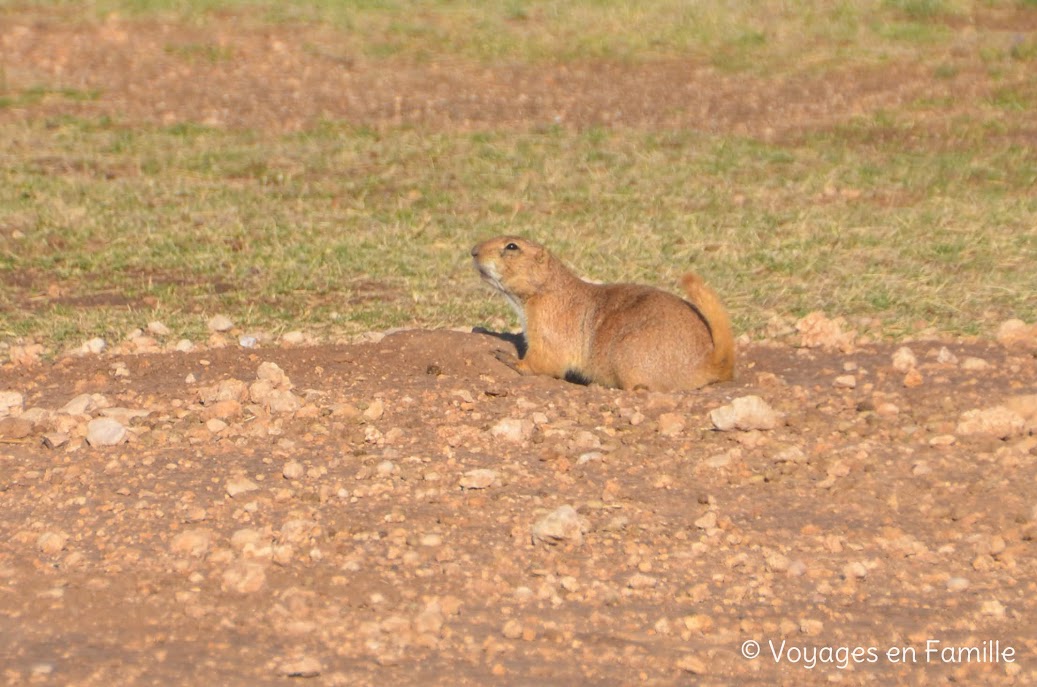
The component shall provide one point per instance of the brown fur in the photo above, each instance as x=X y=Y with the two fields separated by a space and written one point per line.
x=618 y=335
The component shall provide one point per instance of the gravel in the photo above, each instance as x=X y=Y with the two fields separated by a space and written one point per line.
x=580 y=543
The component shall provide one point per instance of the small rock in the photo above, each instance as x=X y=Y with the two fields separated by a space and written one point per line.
x=80 y=405
x=304 y=666
x=993 y=608
x=260 y=390
x=282 y=401
x=94 y=346
x=913 y=379
x=707 y=521
x=698 y=622
x=561 y=525
x=887 y=409
x=973 y=364
x=957 y=584
x=746 y=413
x=346 y=410
x=584 y=440
x=126 y=416
x=25 y=355
x=512 y=629
x=11 y=403
x=855 y=570
x=945 y=357
x=720 y=460
x=513 y=430
x=223 y=410
x=811 y=627
x=184 y=346
x=777 y=562
x=249 y=540
x=998 y=422
x=15 y=428
x=1025 y=406
x=642 y=581
x=590 y=457
x=293 y=338
x=430 y=620
x=215 y=425
x=374 y=410
x=55 y=439
x=293 y=469
x=671 y=424
x=904 y=359
x=692 y=664
x=1016 y=334
x=220 y=323
x=158 y=329
x=845 y=382
x=105 y=431
x=240 y=485
x=480 y=478
x=194 y=542
x=248 y=341
x=816 y=330
x=300 y=531
x=244 y=577
x=271 y=372
x=51 y=542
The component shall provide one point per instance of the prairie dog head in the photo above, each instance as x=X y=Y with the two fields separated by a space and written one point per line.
x=517 y=267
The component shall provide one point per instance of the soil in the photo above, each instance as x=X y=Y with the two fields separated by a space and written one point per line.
x=227 y=73
x=376 y=513
x=871 y=517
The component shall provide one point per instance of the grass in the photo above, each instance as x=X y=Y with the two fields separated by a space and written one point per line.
x=106 y=225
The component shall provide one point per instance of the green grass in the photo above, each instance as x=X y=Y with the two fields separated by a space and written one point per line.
x=106 y=225
x=35 y=94
x=346 y=229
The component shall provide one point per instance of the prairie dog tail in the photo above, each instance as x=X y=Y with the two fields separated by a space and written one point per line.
x=708 y=304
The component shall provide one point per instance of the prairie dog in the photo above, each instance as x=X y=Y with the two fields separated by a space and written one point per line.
x=618 y=335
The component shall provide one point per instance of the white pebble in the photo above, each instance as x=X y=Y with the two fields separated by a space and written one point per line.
x=11 y=403
x=904 y=359
x=104 y=431
x=220 y=323
x=240 y=485
x=293 y=469
x=158 y=329
x=513 y=430
x=480 y=478
x=562 y=524
x=746 y=413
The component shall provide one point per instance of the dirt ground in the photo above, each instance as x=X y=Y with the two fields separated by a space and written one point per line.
x=226 y=73
x=379 y=528
x=406 y=510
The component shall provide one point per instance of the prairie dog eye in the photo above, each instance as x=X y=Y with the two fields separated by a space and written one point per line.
x=511 y=246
